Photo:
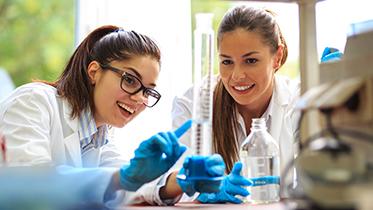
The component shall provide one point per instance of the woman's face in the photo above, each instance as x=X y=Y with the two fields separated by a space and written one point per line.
x=247 y=67
x=113 y=105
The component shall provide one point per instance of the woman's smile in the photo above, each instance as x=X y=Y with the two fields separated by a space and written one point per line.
x=243 y=89
x=126 y=111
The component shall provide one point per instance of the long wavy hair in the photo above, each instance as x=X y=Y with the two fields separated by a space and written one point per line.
x=225 y=139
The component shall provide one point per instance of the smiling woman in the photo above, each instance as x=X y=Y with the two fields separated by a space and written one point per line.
x=64 y=124
x=108 y=81
x=247 y=68
x=251 y=51
x=132 y=84
x=126 y=92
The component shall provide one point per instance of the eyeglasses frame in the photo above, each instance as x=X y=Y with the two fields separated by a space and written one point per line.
x=122 y=73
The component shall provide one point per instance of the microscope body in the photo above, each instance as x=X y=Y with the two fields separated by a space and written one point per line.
x=335 y=169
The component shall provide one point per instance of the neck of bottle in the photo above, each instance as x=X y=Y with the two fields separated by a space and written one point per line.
x=258 y=124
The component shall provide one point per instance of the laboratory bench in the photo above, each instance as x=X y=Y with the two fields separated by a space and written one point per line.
x=192 y=206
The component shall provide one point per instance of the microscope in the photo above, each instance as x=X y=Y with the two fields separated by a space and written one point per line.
x=334 y=166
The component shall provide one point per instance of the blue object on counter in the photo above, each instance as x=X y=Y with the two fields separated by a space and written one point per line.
x=232 y=185
x=201 y=174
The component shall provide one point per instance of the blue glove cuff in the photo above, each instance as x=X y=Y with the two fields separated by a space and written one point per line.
x=185 y=186
x=207 y=198
x=126 y=182
x=331 y=54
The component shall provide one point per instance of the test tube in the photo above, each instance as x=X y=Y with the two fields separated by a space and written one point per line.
x=202 y=97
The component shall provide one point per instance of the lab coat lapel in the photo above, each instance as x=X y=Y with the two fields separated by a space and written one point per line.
x=281 y=99
x=72 y=147
x=71 y=140
x=276 y=123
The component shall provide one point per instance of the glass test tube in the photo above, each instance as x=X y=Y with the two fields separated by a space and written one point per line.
x=203 y=72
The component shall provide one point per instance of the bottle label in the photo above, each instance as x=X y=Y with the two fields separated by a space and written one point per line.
x=264 y=180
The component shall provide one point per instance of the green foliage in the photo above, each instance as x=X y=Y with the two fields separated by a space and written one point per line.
x=36 y=39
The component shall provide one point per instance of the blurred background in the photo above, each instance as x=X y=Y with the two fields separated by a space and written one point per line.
x=38 y=36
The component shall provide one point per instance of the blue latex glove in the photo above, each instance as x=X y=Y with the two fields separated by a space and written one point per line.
x=153 y=158
x=330 y=54
x=232 y=185
x=215 y=167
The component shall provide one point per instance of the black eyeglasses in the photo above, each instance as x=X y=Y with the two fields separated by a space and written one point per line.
x=132 y=85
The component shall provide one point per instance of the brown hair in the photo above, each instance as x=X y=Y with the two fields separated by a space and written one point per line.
x=261 y=21
x=104 y=44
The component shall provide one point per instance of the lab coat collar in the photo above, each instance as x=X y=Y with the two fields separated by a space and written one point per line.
x=282 y=94
x=67 y=110
x=71 y=139
x=281 y=98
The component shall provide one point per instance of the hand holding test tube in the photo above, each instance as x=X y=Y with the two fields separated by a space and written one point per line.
x=204 y=171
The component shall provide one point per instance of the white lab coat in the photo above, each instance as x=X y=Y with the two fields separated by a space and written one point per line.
x=281 y=117
x=39 y=131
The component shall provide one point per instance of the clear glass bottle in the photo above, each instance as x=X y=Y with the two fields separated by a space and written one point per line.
x=260 y=156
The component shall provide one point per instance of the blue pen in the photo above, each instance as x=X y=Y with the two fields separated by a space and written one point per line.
x=183 y=128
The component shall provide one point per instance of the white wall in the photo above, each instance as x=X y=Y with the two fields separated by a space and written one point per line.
x=333 y=19
x=168 y=22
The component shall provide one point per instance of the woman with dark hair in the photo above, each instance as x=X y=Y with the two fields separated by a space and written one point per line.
x=251 y=50
x=109 y=80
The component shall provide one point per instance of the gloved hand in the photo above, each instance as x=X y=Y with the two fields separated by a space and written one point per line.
x=215 y=168
x=231 y=186
x=330 y=54
x=153 y=158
